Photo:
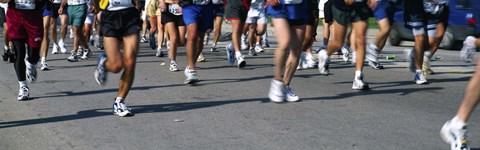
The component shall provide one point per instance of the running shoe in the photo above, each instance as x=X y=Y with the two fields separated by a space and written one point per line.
x=201 y=58
x=265 y=44
x=456 y=137
x=86 y=53
x=409 y=55
x=214 y=48
x=252 y=52
x=72 y=58
x=372 y=53
x=309 y=61
x=230 y=55
x=323 y=62
x=71 y=33
x=31 y=71
x=120 y=109
x=191 y=76
x=276 y=93
x=80 y=51
x=259 y=48
x=63 y=46
x=241 y=61
x=159 y=52
x=375 y=65
x=153 y=43
x=55 y=48
x=290 y=95
x=468 y=49
x=23 y=93
x=5 y=55
x=100 y=73
x=426 y=64
x=358 y=84
x=44 y=66
x=144 y=39
x=173 y=66
x=420 y=78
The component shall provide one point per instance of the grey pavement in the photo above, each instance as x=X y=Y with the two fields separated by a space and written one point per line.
x=229 y=108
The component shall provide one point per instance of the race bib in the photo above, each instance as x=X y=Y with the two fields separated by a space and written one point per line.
x=201 y=2
x=174 y=9
x=217 y=1
x=76 y=2
x=116 y=3
x=57 y=1
x=293 y=1
x=25 y=4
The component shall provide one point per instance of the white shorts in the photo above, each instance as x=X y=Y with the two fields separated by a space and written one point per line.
x=89 y=19
x=321 y=7
x=261 y=19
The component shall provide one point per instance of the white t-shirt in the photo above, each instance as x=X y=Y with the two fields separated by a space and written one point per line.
x=256 y=8
x=120 y=4
x=76 y=2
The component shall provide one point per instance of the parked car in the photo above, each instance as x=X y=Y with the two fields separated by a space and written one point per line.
x=463 y=21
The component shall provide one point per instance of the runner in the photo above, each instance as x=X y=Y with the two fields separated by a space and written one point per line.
x=289 y=19
x=218 y=11
x=172 y=19
x=257 y=23
x=8 y=54
x=154 y=15
x=60 y=45
x=77 y=13
x=306 y=58
x=236 y=11
x=47 y=12
x=198 y=17
x=420 y=20
x=24 y=20
x=325 y=13
x=345 y=13
x=120 y=26
x=87 y=29
x=434 y=41
x=454 y=131
x=384 y=14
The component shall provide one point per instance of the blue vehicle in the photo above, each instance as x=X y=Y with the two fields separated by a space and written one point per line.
x=463 y=22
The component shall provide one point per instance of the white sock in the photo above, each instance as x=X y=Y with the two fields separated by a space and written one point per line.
x=118 y=99
x=428 y=54
x=457 y=123
x=238 y=54
x=172 y=61
x=44 y=59
x=418 y=71
x=22 y=83
x=358 y=74
x=308 y=55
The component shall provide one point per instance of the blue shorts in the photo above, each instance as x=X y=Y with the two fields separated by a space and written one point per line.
x=384 y=9
x=218 y=10
x=201 y=14
x=46 y=12
x=295 y=13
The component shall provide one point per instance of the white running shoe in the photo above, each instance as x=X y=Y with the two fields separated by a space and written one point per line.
x=456 y=137
x=23 y=93
x=241 y=61
x=372 y=53
x=309 y=61
x=55 y=48
x=159 y=52
x=252 y=52
x=63 y=46
x=276 y=93
x=201 y=58
x=214 y=48
x=420 y=78
x=71 y=33
x=358 y=84
x=120 y=109
x=86 y=53
x=31 y=71
x=259 y=48
x=80 y=51
x=468 y=49
x=191 y=76
x=290 y=95
x=100 y=73
x=345 y=52
x=72 y=58
x=44 y=66
x=409 y=54
x=173 y=66
x=323 y=62
x=302 y=63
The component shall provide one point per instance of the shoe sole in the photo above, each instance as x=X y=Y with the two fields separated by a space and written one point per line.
x=190 y=82
x=242 y=64
x=275 y=99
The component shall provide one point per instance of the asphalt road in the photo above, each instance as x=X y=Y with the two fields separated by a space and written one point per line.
x=229 y=108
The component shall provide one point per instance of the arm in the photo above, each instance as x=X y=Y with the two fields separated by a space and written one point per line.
x=161 y=5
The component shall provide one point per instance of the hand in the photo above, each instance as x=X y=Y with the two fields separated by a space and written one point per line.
x=349 y=2
x=91 y=9
x=60 y=10
x=372 y=4
x=273 y=3
x=162 y=7
x=179 y=9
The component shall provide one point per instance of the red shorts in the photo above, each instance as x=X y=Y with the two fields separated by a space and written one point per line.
x=25 y=24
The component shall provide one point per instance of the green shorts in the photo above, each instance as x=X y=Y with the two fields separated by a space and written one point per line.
x=358 y=13
x=77 y=14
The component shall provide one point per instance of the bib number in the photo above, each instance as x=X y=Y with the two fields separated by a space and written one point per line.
x=293 y=1
x=174 y=9
x=76 y=2
x=121 y=3
x=25 y=4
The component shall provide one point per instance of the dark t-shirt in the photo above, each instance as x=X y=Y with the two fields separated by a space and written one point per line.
x=340 y=4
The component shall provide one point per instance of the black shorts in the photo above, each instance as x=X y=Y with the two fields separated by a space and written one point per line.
x=443 y=14
x=169 y=17
x=2 y=15
x=218 y=10
x=312 y=12
x=55 y=8
x=327 y=10
x=141 y=5
x=120 y=23
x=415 y=16
x=237 y=9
